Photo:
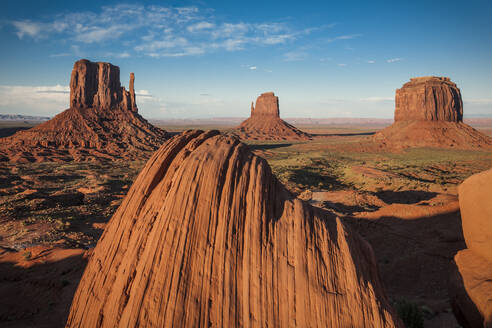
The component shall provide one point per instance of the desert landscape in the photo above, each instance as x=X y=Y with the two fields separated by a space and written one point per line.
x=111 y=217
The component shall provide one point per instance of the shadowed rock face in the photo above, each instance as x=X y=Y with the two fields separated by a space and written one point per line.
x=207 y=236
x=98 y=85
x=471 y=282
x=102 y=122
x=429 y=98
x=265 y=122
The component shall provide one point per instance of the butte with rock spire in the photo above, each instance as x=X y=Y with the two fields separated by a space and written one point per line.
x=101 y=123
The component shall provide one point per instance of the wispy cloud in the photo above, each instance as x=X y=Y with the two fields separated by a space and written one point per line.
x=344 y=37
x=28 y=28
x=394 y=60
x=253 y=68
x=160 y=31
x=371 y=61
x=342 y=65
x=35 y=99
x=295 y=56
x=377 y=99
x=478 y=101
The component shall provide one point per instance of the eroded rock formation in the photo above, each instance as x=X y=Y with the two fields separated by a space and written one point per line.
x=429 y=113
x=471 y=282
x=207 y=236
x=429 y=98
x=265 y=122
x=102 y=122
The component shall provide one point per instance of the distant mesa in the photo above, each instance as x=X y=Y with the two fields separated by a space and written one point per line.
x=207 y=236
x=265 y=122
x=471 y=279
x=429 y=113
x=101 y=123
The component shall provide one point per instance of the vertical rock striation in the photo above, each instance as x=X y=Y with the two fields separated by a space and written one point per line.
x=98 y=85
x=429 y=98
x=207 y=236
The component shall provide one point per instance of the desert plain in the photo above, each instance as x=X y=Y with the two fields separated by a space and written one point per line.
x=404 y=203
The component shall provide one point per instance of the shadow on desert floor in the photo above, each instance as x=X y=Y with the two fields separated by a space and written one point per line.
x=39 y=295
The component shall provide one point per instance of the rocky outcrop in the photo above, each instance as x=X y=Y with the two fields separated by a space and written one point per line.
x=471 y=282
x=207 y=236
x=266 y=105
x=102 y=122
x=429 y=98
x=98 y=85
x=429 y=113
x=265 y=122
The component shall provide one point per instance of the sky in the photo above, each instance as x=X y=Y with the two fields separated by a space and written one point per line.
x=206 y=59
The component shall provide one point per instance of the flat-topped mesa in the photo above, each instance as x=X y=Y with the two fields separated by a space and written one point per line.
x=266 y=105
x=429 y=98
x=98 y=85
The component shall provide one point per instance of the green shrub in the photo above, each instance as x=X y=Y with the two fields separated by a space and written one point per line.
x=410 y=313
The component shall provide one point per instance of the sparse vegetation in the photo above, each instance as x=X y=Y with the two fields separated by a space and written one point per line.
x=410 y=313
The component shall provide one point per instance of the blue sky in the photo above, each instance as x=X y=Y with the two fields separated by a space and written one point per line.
x=201 y=59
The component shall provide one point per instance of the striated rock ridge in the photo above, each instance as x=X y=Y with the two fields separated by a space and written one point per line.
x=102 y=122
x=429 y=98
x=471 y=281
x=207 y=236
x=429 y=113
x=265 y=122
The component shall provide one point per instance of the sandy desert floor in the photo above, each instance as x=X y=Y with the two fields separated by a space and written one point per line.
x=404 y=204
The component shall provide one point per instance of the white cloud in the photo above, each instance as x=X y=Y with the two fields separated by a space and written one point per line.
x=46 y=100
x=27 y=28
x=377 y=99
x=342 y=65
x=344 y=37
x=478 y=101
x=253 y=68
x=200 y=26
x=371 y=61
x=295 y=56
x=394 y=60
x=158 y=31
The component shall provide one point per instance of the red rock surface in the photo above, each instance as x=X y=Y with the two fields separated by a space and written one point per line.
x=471 y=282
x=429 y=98
x=265 y=122
x=429 y=113
x=102 y=122
x=207 y=236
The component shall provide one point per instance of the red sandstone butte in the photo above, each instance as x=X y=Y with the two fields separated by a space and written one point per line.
x=207 y=236
x=429 y=113
x=101 y=123
x=265 y=122
x=471 y=281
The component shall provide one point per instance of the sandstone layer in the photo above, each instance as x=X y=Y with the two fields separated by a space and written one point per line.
x=429 y=113
x=207 y=236
x=429 y=98
x=265 y=122
x=471 y=282
x=102 y=122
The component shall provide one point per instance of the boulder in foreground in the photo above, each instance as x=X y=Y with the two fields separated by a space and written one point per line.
x=471 y=282
x=207 y=236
